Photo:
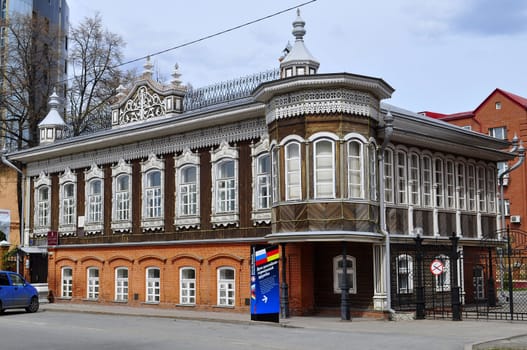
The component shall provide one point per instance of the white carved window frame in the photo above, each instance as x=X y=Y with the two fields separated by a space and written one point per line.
x=66 y=178
x=122 y=168
x=153 y=163
x=181 y=163
x=293 y=168
x=356 y=170
x=41 y=230
x=320 y=166
x=93 y=227
x=260 y=215
x=224 y=153
x=275 y=173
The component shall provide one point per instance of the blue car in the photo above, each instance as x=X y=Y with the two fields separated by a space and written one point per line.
x=16 y=293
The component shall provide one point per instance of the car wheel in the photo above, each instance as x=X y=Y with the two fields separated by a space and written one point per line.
x=1 y=308
x=33 y=305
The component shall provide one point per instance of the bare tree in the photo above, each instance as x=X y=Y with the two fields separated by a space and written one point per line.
x=95 y=54
x=27 y=77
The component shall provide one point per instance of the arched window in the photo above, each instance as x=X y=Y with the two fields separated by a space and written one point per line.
x=121 y=284
x=388 y=176
x=355 y=169
x=274 y=175
x=93 y=283
x=338 y=274
x=122 y=197
x=442 y=281
x=43 y=206
x=94 y=201
x=153 y=195
x=450 y=185
x=427 y=181
x=263 y=182
x=372 y=161
x=324 y=168
x=293 y=177
x=153 y=285
x=68 y=204
x=187 y=286
x=226 y=286
x=438 y=183
x=66 y=290
x=226 y=187
x=413 y=179
x=188 y=191
x=461 y=186
x=405 y=266
x=402 y=178
x=471 y=187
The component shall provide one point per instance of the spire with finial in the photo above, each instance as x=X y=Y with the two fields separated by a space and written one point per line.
x=298 y=60
x=52 y=126
x=147 y=73
x=175 y=76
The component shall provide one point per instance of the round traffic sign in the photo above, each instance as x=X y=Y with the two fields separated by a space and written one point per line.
x=437 y=267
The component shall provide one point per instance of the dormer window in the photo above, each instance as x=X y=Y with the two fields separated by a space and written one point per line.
x=300 y=71
x=289 y=72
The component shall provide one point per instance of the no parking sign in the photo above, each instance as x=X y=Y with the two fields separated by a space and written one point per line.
x=437 y=267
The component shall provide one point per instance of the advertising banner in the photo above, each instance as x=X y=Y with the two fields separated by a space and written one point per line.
x=265 y=283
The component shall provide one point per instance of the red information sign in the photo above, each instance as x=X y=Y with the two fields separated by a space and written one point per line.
x=53 y=238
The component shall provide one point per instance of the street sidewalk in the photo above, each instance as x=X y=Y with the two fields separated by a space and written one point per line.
x=480 y=334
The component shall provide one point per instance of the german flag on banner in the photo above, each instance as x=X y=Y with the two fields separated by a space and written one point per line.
x=267 y=255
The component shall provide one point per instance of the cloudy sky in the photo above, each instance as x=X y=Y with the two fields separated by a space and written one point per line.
x=444 y=56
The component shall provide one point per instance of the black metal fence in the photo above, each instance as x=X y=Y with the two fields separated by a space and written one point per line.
x=435 y=279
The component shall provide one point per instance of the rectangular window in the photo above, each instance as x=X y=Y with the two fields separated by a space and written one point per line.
x=153 y=285
x=372 y=159
x=67 y=283
x=498 y=132
x=187 y=288
x=324 y=169
x=293 y=171
x=121 y=284
x=93 y=283
x=404 y=274
x=226 y=289
x=507 y=207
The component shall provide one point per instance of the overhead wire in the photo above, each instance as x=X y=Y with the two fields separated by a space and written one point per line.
x=206 y=37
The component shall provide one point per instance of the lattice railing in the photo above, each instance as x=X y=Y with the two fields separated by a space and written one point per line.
x=227 y=91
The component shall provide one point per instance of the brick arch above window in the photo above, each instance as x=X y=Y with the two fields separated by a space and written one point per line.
x=66 y=258
x=120 y=258
x=194 y=257
x=151 y=257
x=233 y=257
x=91 y=257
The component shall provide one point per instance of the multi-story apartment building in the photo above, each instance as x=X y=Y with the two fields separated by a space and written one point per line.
x=163 y=208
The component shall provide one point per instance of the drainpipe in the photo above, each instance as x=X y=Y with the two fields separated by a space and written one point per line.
x=521 y=154
x=388 y=131
x=5 y=161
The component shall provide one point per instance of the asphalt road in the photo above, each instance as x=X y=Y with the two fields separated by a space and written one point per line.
x=50 y=330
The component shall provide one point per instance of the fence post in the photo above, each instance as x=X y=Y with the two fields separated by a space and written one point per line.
x=509 y=271
x=491 y=285
x=420 y=297
x=454 y=258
